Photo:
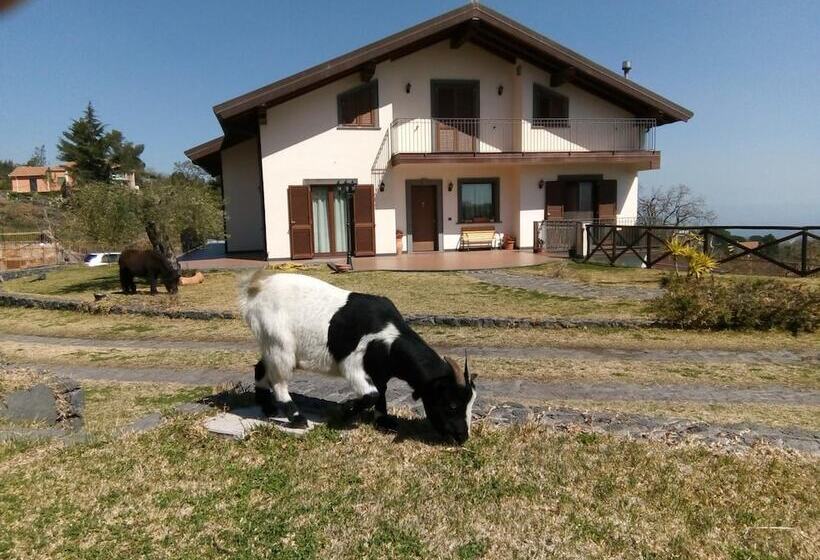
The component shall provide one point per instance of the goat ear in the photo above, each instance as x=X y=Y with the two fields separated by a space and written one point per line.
x=458 y=374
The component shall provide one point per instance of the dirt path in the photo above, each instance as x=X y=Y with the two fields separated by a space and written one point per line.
x=565 y=288
x=508 y=402
x=492 y=390
x=543 y=352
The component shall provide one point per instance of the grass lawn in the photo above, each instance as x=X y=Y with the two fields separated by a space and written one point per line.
x=519 y=492
x=83 y=325
x=424 y=292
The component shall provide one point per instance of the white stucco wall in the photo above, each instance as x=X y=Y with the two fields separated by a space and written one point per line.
x=301 y=141
x=243 y=197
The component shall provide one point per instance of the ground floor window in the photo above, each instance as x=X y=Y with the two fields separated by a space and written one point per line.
x=329 y=207
x=478 y=200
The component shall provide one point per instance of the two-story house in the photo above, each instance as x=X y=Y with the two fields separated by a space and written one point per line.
x=468 y=118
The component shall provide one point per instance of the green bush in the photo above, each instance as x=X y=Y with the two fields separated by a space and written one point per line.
x=747 y=304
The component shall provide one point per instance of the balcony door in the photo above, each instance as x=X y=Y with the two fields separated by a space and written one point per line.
x=455 y=108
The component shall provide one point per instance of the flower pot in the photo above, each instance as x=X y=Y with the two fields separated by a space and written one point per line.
x=509 y=243
x=399 y=237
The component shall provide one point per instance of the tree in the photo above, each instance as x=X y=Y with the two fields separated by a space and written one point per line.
x=673 y=206
x=85 y=143
x=38 y=158
x=6 y=167
x=124 y=156
x=189 y=171
x=165 y=212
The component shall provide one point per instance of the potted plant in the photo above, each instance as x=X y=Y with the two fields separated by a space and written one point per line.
x=399 y=237
x=509 y=242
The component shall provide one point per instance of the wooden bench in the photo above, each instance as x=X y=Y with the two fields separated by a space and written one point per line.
x=475 y=237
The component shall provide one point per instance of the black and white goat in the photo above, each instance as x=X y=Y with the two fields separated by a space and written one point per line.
x=302 y=323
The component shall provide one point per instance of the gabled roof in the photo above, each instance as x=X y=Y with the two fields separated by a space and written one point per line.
x=38 y=171
x=475 y=23
x=484 y=27
x=28 y=171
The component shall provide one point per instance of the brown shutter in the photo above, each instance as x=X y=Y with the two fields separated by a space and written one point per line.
x=555 y=200
x=607 y=199
x=364 y=221
x=301 y=224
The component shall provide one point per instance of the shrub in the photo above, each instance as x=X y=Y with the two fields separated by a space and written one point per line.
x=758 y=304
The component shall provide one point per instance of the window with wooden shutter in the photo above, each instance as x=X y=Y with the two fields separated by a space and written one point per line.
x=359 y=107
x=547 y=104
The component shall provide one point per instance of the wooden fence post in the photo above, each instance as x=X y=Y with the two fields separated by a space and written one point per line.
x=648 y=249
x=804 y=253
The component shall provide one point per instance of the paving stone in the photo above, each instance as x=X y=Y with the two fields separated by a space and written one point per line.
x=239 y=423
x=35 y=404
x=143 y=424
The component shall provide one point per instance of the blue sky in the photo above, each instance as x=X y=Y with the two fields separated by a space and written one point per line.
x=750 y=70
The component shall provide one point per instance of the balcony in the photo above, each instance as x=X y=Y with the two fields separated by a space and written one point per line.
x=416 y=140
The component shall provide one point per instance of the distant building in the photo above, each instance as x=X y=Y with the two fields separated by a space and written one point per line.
x=29 y=178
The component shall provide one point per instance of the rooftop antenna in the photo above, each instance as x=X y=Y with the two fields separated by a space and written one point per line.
x=626 y=66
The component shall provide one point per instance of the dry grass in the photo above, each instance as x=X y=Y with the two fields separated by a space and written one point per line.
x=779 y=415
x=429 y=292
x=510 y=493
x=803 y=375
x=134 y=327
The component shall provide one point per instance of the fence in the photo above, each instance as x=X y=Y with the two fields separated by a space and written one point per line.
x=794 y=250
x=566 y=236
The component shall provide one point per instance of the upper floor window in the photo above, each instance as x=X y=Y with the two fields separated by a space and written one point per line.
x=547 y=104
x=360 y=106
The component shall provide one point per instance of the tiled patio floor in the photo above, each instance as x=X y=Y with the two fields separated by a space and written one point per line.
x=213 y=256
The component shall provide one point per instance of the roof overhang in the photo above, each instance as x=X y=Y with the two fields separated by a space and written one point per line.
x=208 y=155
x=473 y=23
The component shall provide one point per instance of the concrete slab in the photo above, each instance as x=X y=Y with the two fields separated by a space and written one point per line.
x=240 y=422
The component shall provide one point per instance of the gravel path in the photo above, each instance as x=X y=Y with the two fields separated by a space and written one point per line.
x=507 y=402
x=491 y=390
x=566 y=288
x=542 y=352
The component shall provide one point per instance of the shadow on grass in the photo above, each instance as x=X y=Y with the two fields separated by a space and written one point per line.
x=104 y=284
x=333 y=414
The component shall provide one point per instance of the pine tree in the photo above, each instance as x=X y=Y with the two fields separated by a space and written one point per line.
x=85 y=143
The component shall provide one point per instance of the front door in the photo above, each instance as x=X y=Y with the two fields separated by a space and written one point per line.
x=455 y=107
x=424 y=215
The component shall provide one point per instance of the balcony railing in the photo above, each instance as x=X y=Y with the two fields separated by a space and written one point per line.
x=487 y=136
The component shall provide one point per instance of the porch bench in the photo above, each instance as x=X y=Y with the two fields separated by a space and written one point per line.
x=473 y=237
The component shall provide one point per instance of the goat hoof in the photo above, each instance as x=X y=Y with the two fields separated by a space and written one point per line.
x=298 y=421
x=387 y=423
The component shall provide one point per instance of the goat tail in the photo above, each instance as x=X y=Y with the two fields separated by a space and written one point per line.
x=250 y=284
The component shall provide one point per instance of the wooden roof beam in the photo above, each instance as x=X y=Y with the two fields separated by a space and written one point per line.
x=561 y=77
x=464 y=34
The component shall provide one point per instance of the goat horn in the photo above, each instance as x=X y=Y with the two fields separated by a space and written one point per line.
x=466 y=368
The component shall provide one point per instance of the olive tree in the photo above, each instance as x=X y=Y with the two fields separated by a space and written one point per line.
x=163 y=212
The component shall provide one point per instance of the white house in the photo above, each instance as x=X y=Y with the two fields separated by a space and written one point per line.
x=468 y=118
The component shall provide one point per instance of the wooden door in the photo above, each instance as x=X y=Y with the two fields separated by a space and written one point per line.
x=607 y=195
x=425 y=217
x=455 y=107
x=364 y=221
x=555 y=200
x=301 y=226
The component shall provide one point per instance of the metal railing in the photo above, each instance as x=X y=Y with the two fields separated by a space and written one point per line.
x=428 y=135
